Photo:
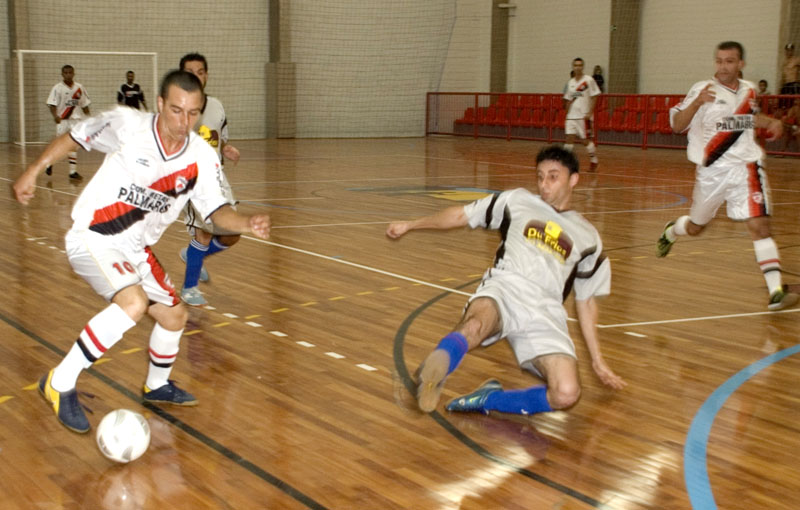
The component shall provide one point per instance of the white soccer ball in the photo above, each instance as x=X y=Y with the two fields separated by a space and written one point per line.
x=123 y=435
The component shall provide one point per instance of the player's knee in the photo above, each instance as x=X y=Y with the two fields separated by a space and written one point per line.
x=175 y=318
x=564 y=395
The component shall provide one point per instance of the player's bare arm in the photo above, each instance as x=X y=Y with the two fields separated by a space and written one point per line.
x=682 y=119
x=54 y=113
x=25 y=184
x=227 y=218
x=230 y=152
x=451 y=217
x=587 y=318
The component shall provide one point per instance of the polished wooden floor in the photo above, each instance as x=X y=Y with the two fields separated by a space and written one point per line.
x=302 y=365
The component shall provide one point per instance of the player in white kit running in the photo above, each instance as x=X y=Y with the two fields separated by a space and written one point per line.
x=721 y=117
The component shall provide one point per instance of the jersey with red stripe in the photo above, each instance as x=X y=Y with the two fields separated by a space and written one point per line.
x=722 y=130
x=139 y=190
x=579 y=92
x=69 y=101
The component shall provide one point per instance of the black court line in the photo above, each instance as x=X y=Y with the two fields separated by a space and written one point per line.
x=399 y=363
x=209 y=442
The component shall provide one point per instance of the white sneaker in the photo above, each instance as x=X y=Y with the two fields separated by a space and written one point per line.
x=192 y=296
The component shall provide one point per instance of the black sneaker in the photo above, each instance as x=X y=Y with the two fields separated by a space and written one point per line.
x=76 y=177
x=49 y=170
x=66 y=405
x=169 y=394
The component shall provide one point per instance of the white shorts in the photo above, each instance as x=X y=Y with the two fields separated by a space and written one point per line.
x=743 y=186
x=533 y=325
x=109 y=269
x=194 y=220
x=64 y=126
x=580 y=127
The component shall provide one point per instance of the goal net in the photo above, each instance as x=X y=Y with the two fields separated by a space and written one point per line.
x=34 y=72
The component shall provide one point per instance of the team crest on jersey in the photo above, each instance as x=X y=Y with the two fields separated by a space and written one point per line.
x=757 y=197
x=549 y=237
x=180 y=184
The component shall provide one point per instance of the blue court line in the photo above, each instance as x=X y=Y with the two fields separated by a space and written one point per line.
x=694 y=451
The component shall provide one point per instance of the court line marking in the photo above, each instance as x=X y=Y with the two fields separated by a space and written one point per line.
x=695 y=452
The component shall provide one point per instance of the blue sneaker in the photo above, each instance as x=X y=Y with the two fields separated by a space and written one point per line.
x=169 y=394
x=203 y=273
x=66 y=405
x=474 y=402
x=192 y=296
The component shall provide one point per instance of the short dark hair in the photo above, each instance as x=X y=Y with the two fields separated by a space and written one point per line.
x=765 y=82
x=576 y=59
x=183 y=79
x=732 y=45
x=560 y=155
x=65 y=67
x=131 y=72
x=193 y=57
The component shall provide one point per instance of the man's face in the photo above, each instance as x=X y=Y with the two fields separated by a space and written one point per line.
x=577 y=67
x=179 y=112
x=762 y=87
x=728 y=64
x=197 y=68
x=67 y=75
x=555 y=183
x=130 y=77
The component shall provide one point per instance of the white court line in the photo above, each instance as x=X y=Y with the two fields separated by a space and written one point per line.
x=359 y=266
x=695 y=319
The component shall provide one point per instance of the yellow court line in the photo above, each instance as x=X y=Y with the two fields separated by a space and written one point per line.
x=365 y=293
x=192 y=332
x=131 y=351
x=221 y=325
x=5 y=398
x=279 y=310
x=101 y=361
x=310 y=303
x=31 y=387
x=336 y=298
x=249 y=317
x=391 y=288
x=451 y=279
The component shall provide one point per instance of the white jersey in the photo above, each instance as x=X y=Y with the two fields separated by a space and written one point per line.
x=139 y=190
x=722 y=130
x=213 y=126
x=549 y=249
x=69 y=101
x=580 y=91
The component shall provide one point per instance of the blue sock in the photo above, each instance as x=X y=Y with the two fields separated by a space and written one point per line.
x=527 y=401
x=194 y=263
x=456 y=346
x=215 y=246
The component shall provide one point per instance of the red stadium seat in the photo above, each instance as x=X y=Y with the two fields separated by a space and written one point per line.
x=662 y=120
x=602 y=120
x=468 y=118
x=617 y=120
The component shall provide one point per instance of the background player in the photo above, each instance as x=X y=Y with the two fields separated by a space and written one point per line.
x=208 y=239
x=520 y=298
x=154 y=164
x=130 y=93
x=580 y=96
x=68 y=103
x=721 y=118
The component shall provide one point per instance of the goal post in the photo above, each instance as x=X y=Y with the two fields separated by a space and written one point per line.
x=100 y=72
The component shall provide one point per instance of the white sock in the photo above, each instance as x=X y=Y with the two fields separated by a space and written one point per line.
x=591 y=149
x=769 y=261
x=164 y=346
x=73 y=162
x=679 y=228
x=101 y=332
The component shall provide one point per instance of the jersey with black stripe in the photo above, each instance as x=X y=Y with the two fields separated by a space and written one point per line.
x=550 y=249
x=139 y=190
x=579 y=92
x=724 y=129
x=69 y=101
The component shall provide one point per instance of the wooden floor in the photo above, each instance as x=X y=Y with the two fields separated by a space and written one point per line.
x=302 y=365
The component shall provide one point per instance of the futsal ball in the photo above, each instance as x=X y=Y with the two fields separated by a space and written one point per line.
x=123 y=435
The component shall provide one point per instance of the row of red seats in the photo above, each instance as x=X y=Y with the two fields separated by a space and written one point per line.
x=620 y=120
x=626 y=103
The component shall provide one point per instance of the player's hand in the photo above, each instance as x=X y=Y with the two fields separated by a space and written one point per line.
x=607 y=376
x=260 y=225
x=57 y=120
x=706 y=95
x=24 y=187
x=774 y=130
x=396 y=229
x=231 y=152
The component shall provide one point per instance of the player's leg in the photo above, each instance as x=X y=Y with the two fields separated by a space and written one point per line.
x=570 y=130
x=61 y=128
x=480 y=320
x=708 y=195
x=588 y=141
x=193 y=256
x=114 y=277
x=768 y=259
x=170 y=316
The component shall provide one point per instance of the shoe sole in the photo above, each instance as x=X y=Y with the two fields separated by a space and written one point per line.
x=182 y=404
x=431 y=380
x=788 y=301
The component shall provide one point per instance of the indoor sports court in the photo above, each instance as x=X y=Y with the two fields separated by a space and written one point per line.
x=303 y=360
